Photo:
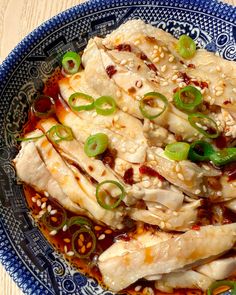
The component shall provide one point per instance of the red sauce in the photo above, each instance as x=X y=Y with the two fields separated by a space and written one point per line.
x=110 y=70
x=185 y=77
x=221 y=141
x=123 y=47
x=108 y=157
x=192 y=66
x=129 y=176
x=230 y=170
x=227 y=102
x=152 y=67
x=143 y=56
x=150 y=172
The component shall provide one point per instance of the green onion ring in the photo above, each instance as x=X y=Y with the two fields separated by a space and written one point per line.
x=29 y=138
x=224 y=156
x=46 y=220
x=75 y=237
x=177 y=151
x=59 y=133
x=96 y=144
x=186 y=46
x=218 y=284
x=188 y=92
x=71 y=62
x=150 y=97
x=105 y=100
x=200 y=151
x=198 y=118
x=117 y=203
x=79 y=220
x=80 y=95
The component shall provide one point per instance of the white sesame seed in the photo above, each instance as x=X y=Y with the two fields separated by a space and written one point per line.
x=34 y=200
x=53 y=212
x=159 y=184
x=38 y=203
x=228 y=133
x=53 y=232
x=162 y=224
x=165 y=83
x=118 y=93
x=206 y=167
x=218 y=68
x=94 y=114
x=179 y=80
x=156 y=59
x=177 y=168
x=155 y=47
x=180 y=176
x=137 y=288
x=44 y=205
x=65 y=249
x=204 y=188
x=41 y=213
x=171 y=58
x=116 y=118
x=138 y=97
x=197 y=191
x=219 y=193
x=101 y=237
x=234 y=90
x=70 y=253
x=146 y=183
x=162 y=55
x=123 y=62
x=148 y=291
x=124 y=109
x=174 y=77
x=219 y=93
x=46 y=194
x=163 y=68
x=137 y=42
x=151 y=157
x=65 y=227
x=174 y=67
x=139 y=83
x=49 y=208
x=175 y=213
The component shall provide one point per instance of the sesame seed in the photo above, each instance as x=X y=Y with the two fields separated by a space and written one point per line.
x=118 y=93
x=44 y=205
x=171 y=58
x=177 y=168
x=53 y=212
x=146 y=183
x=206 y=167
x=70 y=253
x=165 y=83
x=46 y=194
x=124 y=109
x=234 y=90
x=219 y=93
x=148 y=291
x=204 y=188
x=155 y=47
x=162 y=224
x=137 y=288
x=123 y=62
x=116 y=118
x=151 y=157
x=156 y=59
x=228 y=133
x=94 y=114
x=49 y=208
x=53 y=232
x=137 y=42
x=159 y=184
x=163 y=68
x=41 y=213
x=174 y=77
x=218 y=68
x=174 y=67
x=101 y=237
x=64 y=227
x=219 y=193
x=175 y=213
x=162 y=55
x=197 y=191
x=139 y=83
x=65 y=248
x=38 y=203
x=34 y=200
x=165 y=49
x=180 y=176
x=223 y=76
x=138 y=97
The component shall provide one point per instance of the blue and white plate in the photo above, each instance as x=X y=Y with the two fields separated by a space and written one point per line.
x=24 y=252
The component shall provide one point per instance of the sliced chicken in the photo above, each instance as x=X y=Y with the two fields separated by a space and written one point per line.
x=183 y=279
x=32 y=170
x=167 y=256
x=219 y=269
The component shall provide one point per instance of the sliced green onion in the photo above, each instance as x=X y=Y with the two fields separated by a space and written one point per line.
x=75 y=242
x=74 y=98
x=96 y=144
x=224 y=156
x=150 y=105
x=61 y=217
x=29 y=138
x=204 y=125
x=71 y=62
x=79 y=220
x=105 y=105
x=102 y=194
x=216 y=285
x=186 y=46
x=43 y=106
x=59 y=133
x=177 y=151
x=188 y=98
x=200 y=151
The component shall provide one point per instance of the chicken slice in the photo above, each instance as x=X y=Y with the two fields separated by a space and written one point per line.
x=219 y=269
x=72 y=187
x=183 y=279
x=165 y=257
x=32 y=170
x=166 y=219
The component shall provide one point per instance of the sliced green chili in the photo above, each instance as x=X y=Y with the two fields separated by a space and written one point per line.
x=74 y=98
x=200 y=151
x=30 y=138
x=71 y=62
x=79 y=220
x=224 y=156
x=84 y=251
x=105 y=105
x=186 y=46
x=101 y=202
x=59 y=133
x=188 y=98
x=177 y=151
x=204 y=124
x=217 y=284
x=150 y=102
x=96 y=144
x=60 y=216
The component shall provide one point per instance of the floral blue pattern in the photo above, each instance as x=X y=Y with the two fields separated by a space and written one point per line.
x=24 y=252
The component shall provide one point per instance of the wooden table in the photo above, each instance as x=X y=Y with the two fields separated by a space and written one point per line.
x=17 y=19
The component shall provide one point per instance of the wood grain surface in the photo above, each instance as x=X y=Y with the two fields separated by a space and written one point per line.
x=17 y=19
